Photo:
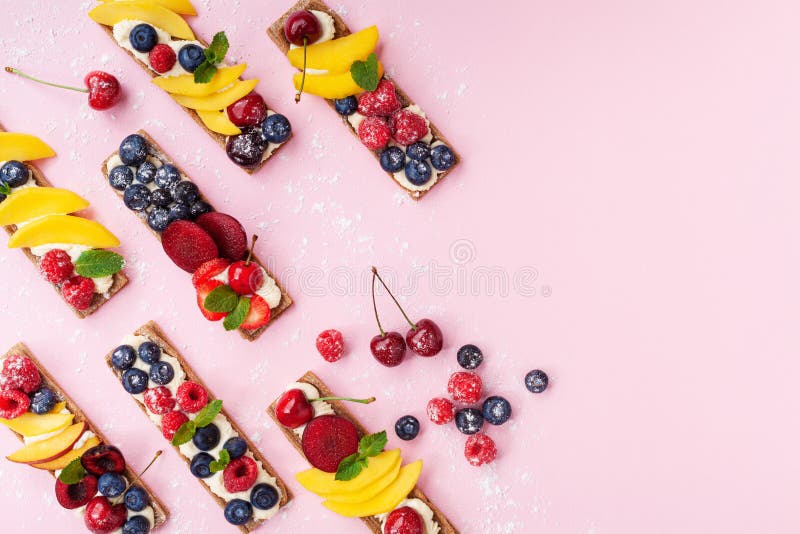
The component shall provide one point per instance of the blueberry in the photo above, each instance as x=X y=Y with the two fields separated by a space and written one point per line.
x=418 y=172
x=134 y=381
x=236 y=447
x=146 y=173
x=407 y=427
x=120 y=177
x=346 y=106
x=198 y=208
x=536 y=381
x=247 y=148
x=143 y=38
x=137 y=197
x=469 y=420
x=276 y=128
x=161 y=198
x=190 y=57
x=419 y=151
x=442 y=158
x=200 y=465
x=111 y=484
x=14 y=173
x=159 y=218
x=393 y=159
x=136 y=499
x=469 y=357
x=149 y=352
x=43 y=401
x=161 y=373
x=123 y=357
x=185 y=192
x=167 y=175
x=496 y=410
x=206 y=437
x=264 y=496
x=133 y=150
x=179 y=212
x=238 y=512
x=137 y=524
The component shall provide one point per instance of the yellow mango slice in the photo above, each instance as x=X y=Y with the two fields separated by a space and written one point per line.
x=63 y=229
x=337 y=55
x=384 y=502
x=63 y=461
x=331 y=86
x=217 y=101
x=368 y=492
x=185 y=84
x=58 y=407
x=217 y=121
x=111 y=13
x=184 y=7
x=50 y=448
x=23 y=147
x=30 y=424
x=325 y=484
x=26 y=204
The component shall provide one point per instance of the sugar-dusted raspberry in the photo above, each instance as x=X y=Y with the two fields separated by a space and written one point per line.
x=19 y=372
x=78 y=292
x=13 y=403
x=465 y=387
x=330 y=345
x=162 y=58
x=56 y=266
x=171 y=422
x=374 y=133
x=440 y=411
x=159 y=400
x=407 y=127
x=192 y=397
x=382 y=101
x=240 y=474
x=480 y=449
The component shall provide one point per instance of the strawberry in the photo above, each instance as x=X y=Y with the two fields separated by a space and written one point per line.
x=374 y=133
x=258 y=315
x=19 y=372
x=407 y=127
x=56 y=266
x=188 y=245
x=209 y=270
x=381 y=102
x=162 y=58
x=78 y=292
x=203 y=289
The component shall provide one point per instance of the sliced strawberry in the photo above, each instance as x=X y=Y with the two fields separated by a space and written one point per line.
x=203 y=289
x=209 y=270
x=258 y=315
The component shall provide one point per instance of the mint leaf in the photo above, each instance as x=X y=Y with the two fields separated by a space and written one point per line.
x=97 y=263
x=215 y=54
x=185 y=433
x=365 y=73
x=235 y=318
x=368 y=446
x=73 y=473
x=222 y=299
x=372 y=444
x=350 y=467
x=204 y=72
x=5 y=189
x=222 y=463
x=207 y=414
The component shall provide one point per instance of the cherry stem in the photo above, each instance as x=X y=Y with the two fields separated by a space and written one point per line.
x=250 y=253
x=375 y=306
x=362 y=401
x=376 y=275
x=138 y=476
x=12 y=70
x=303 y=79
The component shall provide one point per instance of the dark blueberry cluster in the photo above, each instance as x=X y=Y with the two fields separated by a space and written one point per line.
x=135 y=380
x=418 y=161
x=247 y=149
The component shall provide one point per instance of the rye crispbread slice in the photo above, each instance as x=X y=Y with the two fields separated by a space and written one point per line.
x=153 y=332
x=120 y=279
x=275 y=32
x=341 y=410
x=160 y=512
x=157 y=151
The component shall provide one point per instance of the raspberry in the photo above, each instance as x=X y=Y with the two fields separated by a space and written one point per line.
x=78 y=292
x=162 y=58
x=382 y=101
x=440 y=411
x=13 y=403
x=56 y=266
x=407 y=127
x=374 y=133
x=159 y=400
x=480 y=449
x=330 y=345
x=464 y=387
x=192 y=397
x=240 y=474
x=171 y=422
x=19 y=372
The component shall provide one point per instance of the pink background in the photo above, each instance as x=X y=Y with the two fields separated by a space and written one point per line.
x=639 y=157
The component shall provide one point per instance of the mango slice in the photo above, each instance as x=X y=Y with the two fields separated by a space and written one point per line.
x=63 y=229
x=368 y=492
x=384 y=502
x=185 y=84
x=63 y=461
x=324 y=484
x=30 y=424
x=49 y=449
x=217 y=101
x=111 y=13
x=184 y=7
x=331 y=86
x=23 y=147
x=58 y=407
x=26 y=204
x=217 y=121
x=337 y=55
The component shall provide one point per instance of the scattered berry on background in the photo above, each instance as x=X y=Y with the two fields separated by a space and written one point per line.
x=407 y=127
x=240 y=474
x=149 y=352
x=56 y=266
x=238 y=512
x=190 y=57
x=404 y=520
x=327 y=440
x=425 y=338
x=469 y=420
x=264 y=496
x=346 y=106
x=330 y=345
x=249 y=110
x=469 y=357
x=536 y=381
x=418 y=172
x=419 y=151
x=14 y=173
x=381 y=102
x=102 y=87
x=191 y=397
x=171 y=422
x=236 y=447
x=71 y=496
x=78 y=292
x=393 y=159
x=134 y=381
x=407 y=427
x=465 y=386
x=159 y=400
x=276 y=128
x=162 y=58
x=133 y=150
x=13 y=403
x=389 y=348
x=136 y=499
x=102 y=459
x=20 y=372
x=143 y=38
x=374 y=132
x=43 y=400
x=200 y=466
x=440 y=411
x=162 y=373
x=206 y=437
x=496 y=410
x=111 y=484
x=480 y=449
x=442 y=158
x=120 y=177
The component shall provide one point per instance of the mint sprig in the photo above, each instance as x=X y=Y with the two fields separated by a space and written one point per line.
x=205 y=417
x=215 y=54
x=220 y=465
x=368 y=446
x=235 y=318
x=98 y=263
x=365 y=73
x=221 y=299
x=5 y=189
x=73 y=473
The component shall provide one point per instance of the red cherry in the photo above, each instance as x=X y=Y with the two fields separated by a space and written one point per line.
x=246 y=277
x=388 y=348
x=426 y=339
x=101 y=516
x=103 y=88
x=403 y=520
x=250 y=110
x=302 y=27
x=71 y=496
x=293 y=409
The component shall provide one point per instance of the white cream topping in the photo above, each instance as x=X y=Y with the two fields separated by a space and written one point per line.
x=310 y=392
x=430 y=525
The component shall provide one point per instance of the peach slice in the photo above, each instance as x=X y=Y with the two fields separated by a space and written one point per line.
x=337 y=55
x=23 y=147
x=385 y=501
x=217 y=121
x=331 y=86
x=325 y=484
x=184 y=7
x=30 y=424
x=217 y=101
x=111 y=13
x=185 y=84
x=63 y=229
x=51 y=448
x=26 y=204
x=63 y=461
